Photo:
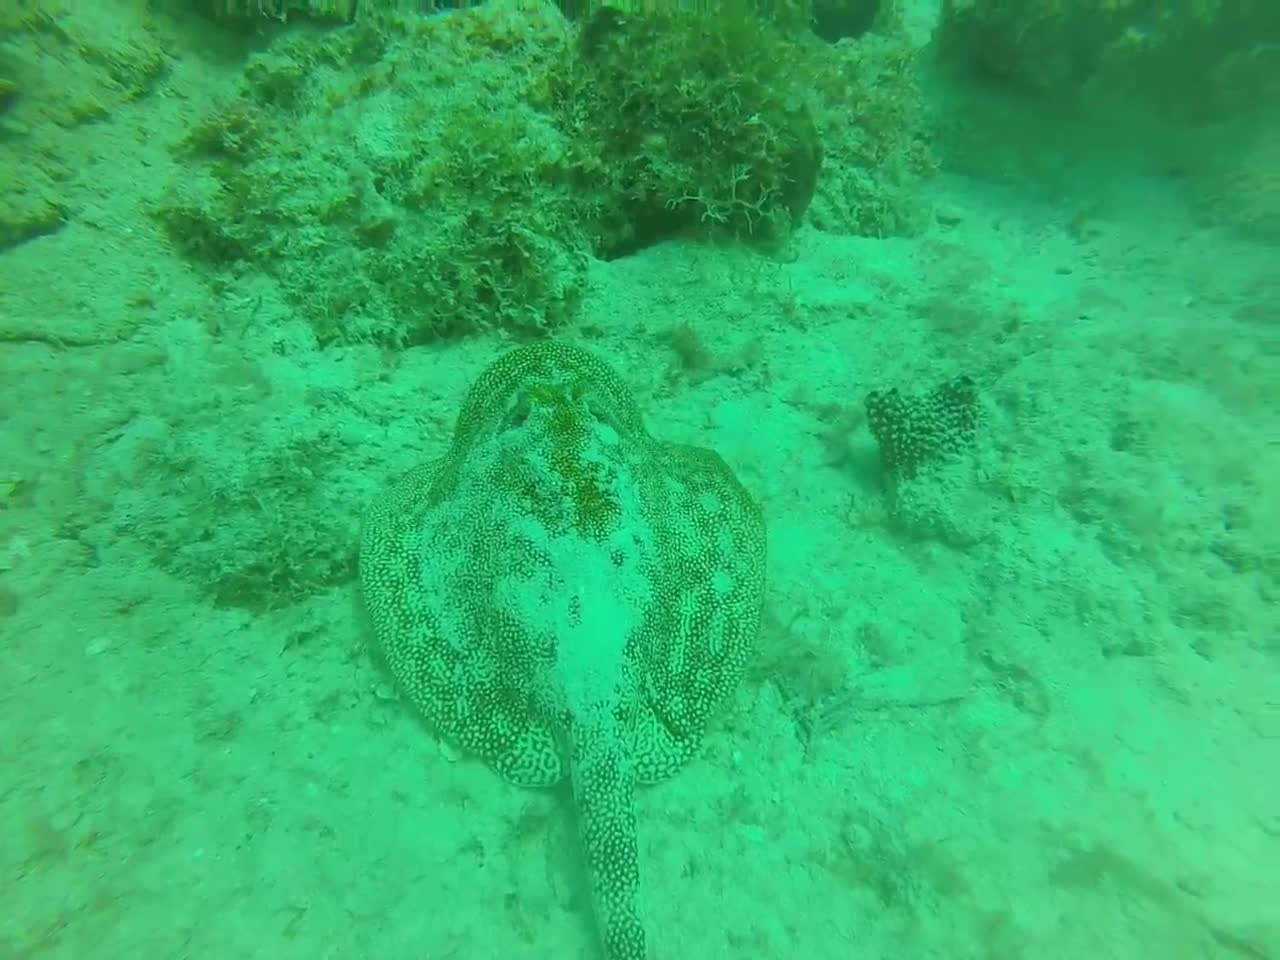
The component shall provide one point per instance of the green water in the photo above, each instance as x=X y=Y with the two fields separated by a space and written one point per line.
x=977 y=301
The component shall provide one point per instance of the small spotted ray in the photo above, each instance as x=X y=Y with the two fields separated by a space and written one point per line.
x=561 y=593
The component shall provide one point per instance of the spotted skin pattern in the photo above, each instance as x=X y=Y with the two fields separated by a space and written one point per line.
x=562 y=594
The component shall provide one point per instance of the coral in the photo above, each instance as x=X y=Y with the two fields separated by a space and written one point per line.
x=395 y=177
x=936 y=464
x=255 y=13
x=688 y=120
x=738 y=126
x=917 y=432
x=1166 y=55
x=876 y=137
x=339 y=10
x=411 y=178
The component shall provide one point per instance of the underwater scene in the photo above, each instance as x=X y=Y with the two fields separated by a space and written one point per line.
x=780 y=480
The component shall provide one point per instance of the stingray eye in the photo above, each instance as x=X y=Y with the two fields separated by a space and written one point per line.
x=591 y=404
x=518 y=414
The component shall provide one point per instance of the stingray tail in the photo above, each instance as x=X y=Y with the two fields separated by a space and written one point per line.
x=604 y=786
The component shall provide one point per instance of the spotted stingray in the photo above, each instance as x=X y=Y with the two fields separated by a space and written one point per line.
x=561 y=593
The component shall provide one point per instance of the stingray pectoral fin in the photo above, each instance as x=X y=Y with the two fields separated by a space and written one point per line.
x=604 y=783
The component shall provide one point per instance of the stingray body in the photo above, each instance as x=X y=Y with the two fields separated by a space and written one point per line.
x=562 y=594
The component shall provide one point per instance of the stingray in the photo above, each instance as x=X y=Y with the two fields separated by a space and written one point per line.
x=561 y=594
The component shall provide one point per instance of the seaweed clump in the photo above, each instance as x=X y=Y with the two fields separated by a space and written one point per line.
x=689 y=120
x=395 y=177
